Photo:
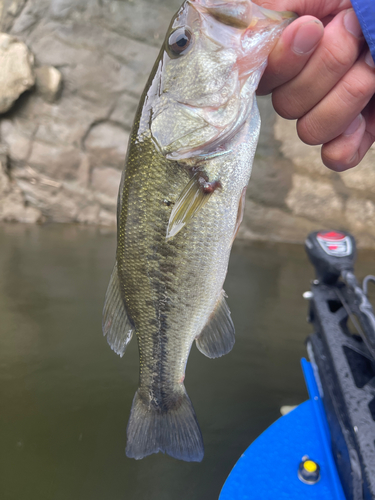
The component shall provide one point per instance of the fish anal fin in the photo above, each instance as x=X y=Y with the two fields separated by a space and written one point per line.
x=193 y=197
x=217 y=337
x=116 y=325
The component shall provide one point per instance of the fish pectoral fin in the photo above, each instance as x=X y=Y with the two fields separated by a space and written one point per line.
x=241 y=210
x=116 y=325
x=217 y=337
x=192 y=199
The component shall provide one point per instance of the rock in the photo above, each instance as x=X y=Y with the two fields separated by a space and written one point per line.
x=124 y=111
x=62 y=124
x=106 y=143
x=306 y=158
x=19 y=145
x=83 y=172
x=4 y=178
x=271 y=177
x=15 y=7
x=9 y=10
x=128 y=18
x=13 y=207
x=48 y=82
x=106 y=218
x=360 y=214
x=106 y=180
x=16 y=75
x=265 y=223
x=55 y=160
x=270 y=182
x=314 y=200
x=4 y=151
x=28 y=17
x=89 y=214
x=363 y=176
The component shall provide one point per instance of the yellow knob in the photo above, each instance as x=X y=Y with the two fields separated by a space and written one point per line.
x=310 y=466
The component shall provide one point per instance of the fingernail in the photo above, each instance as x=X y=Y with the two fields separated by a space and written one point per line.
x=369 y=60
x=354 y=126
x=307 y=37
x=351 y=23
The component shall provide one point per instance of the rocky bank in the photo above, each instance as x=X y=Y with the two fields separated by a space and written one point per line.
x=71 y=74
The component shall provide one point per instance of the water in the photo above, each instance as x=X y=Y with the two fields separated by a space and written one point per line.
x=65 y=396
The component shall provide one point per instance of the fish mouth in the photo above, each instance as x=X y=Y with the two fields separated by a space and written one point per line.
x=242 y=14
x=277 y=16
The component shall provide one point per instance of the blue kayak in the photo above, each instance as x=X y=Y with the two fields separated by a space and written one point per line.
x=271 y=466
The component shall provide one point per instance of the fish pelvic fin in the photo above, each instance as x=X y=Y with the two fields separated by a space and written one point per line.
x=193 y=197
x=174 y=431
x=116 y=325
x=217 y=337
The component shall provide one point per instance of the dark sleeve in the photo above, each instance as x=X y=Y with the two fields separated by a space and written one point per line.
x=365 y=10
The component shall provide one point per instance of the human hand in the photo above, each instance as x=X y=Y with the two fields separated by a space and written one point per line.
x=322 y=74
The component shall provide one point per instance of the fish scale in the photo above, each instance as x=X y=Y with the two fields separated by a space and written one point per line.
x=179 y=210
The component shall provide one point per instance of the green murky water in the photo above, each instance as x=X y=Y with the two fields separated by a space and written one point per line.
x=65 y=396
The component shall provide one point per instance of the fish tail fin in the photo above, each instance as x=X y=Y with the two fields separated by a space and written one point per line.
x=174 y=430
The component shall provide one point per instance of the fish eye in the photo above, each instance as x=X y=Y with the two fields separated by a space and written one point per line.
x=179 y=42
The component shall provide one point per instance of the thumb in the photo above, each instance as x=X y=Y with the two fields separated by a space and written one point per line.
x=291 y=53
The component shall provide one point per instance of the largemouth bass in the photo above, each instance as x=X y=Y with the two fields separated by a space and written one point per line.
x=181 y=201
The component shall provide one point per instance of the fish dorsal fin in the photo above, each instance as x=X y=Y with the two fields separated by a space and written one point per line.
x=192 y=198
x=117 y=327
x=217 y=337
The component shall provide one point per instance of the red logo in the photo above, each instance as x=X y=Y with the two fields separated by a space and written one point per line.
x=335 y=243
x=331 y=236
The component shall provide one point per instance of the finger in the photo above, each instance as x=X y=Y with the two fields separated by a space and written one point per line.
x=347 y=150
x=316 y=8
x=331 y=116
x=291 y=53
x=342 y=152
x=335 y=55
